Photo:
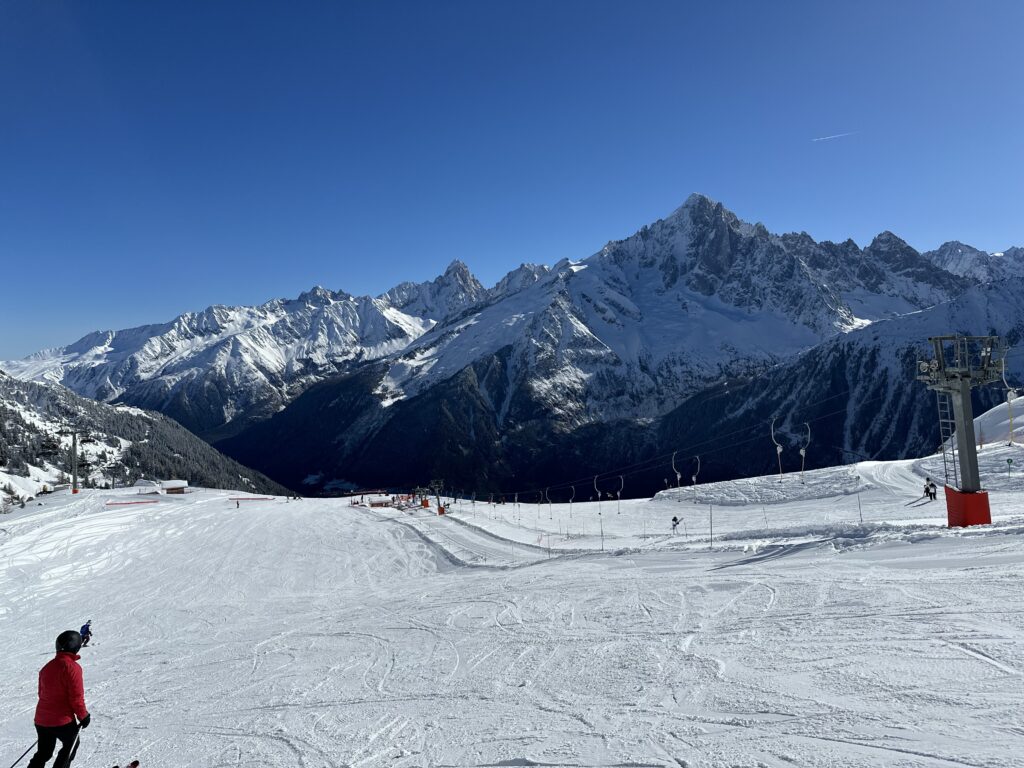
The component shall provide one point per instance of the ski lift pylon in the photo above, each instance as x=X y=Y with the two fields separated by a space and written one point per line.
x=803 y=451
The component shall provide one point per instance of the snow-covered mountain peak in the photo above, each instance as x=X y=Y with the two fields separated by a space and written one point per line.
x=893 y=250
x=968 y=261
x=445 y=295
x=320 y=296
x=695 y=200
x=521 y=277
x=458 y=270
x=887 y=240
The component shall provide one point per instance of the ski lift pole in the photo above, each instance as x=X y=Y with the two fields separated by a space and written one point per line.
x=803 y=451
x=573 y=496
x=551 y=514
x=1011 y=394
x=618 y=496
x=676 y=471
x=598 y=492
x=778 y=448
x=24 y=753
x=693 y=478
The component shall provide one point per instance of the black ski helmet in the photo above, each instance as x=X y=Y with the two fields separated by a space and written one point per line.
x=69 y=641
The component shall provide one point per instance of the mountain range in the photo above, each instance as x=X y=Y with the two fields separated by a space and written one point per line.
x=697 y=326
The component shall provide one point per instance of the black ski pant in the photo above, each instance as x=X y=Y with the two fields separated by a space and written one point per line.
x=48 y=738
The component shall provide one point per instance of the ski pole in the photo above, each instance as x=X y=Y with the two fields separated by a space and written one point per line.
x=23 y=754
x=74 y=749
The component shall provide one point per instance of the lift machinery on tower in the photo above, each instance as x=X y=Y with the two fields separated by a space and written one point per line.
x=959 y=364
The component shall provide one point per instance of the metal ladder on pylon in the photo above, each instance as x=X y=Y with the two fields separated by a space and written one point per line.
x=947 y=428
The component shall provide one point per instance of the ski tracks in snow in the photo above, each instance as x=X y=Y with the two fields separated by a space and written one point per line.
x=315 y=635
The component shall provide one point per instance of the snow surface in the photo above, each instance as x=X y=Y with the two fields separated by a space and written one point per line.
x=317 y=633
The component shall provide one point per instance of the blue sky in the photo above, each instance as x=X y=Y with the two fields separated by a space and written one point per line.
x=159 y=157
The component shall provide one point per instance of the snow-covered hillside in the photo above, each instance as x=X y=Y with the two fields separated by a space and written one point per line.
x=831 y=623
x=118 y=445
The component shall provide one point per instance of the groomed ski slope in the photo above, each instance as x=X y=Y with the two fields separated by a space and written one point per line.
x=315 y=633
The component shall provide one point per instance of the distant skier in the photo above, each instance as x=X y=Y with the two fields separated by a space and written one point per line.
x=933 y=490
x=86 y=633
x=928 y=488
x=61 y=701
x=675 y=522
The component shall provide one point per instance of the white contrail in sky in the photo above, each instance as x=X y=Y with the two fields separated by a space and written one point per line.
x=835 y=136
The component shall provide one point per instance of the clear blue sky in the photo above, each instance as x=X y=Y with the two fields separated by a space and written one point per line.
x=157 y=157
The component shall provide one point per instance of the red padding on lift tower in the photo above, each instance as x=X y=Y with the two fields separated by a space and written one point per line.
x=963 y=509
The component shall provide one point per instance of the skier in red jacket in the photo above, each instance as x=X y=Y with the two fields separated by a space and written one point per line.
x=61 y=701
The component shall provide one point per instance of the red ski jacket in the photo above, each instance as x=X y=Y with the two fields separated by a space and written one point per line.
x=61 y=691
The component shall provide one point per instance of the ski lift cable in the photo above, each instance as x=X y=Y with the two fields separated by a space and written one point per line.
x=702 y=443
x=648 y=468
x=648 y=464
x=661 y=457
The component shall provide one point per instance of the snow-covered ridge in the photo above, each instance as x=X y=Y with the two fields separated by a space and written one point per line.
x=233 y=365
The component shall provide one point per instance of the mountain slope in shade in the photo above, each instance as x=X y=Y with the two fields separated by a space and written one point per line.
x=123 y=444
